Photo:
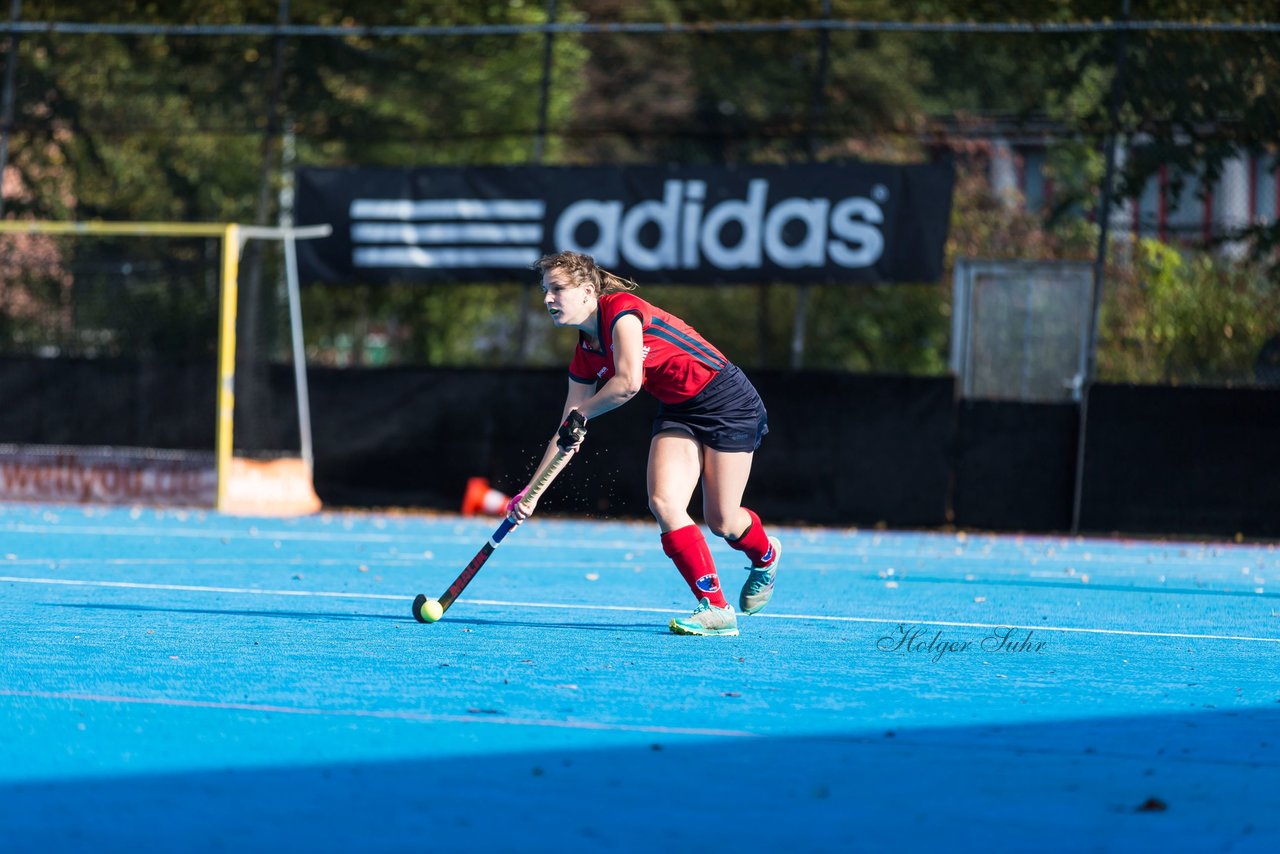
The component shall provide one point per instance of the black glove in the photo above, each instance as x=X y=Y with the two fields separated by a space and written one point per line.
x=572 y=431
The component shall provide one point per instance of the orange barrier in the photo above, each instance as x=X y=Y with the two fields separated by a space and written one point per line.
x=479 y=498
x=157 y=478
x=270 y=488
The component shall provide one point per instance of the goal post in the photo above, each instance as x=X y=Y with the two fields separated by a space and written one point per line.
x=282 y=486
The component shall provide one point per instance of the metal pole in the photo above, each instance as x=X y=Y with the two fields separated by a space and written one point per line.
x=6 y=110
x=799 y=326
x=525 y=320
x=273 y=117
x=1100 y=265
x=227 y=361
x=817 y=99
x=253 y=385
x=288 y=155
x=544 y=104
x=299 y=351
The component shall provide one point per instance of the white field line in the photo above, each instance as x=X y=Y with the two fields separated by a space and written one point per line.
x=827 y=618
x=1208 y=579
x=291 y=563
x=389 y=714
x=877 y=546
x=999 y=568
x=1206 y=583
x=425 y=536
x=197 y=588
x=214 y=533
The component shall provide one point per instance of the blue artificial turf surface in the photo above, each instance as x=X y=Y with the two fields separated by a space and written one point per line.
x=191 y=681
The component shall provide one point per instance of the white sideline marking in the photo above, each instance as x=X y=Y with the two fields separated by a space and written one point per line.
x=213 y=533
x=1068 y=629
x=890 y=620
x=349 y=536
x=868 y=552
x=197 y=588
x=397 y=561
x=501 y=603
x=391 y=714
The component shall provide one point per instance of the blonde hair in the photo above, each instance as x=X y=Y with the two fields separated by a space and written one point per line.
x=581 y=269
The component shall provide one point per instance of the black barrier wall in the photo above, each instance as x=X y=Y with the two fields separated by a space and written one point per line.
x=843 y=449
x=121 y=402
x=1014 y=465
x=1176 y=460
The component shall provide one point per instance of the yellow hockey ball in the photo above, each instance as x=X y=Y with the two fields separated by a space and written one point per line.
x=431 y=610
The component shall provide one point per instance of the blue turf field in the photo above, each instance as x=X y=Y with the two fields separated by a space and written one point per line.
x=187 y=681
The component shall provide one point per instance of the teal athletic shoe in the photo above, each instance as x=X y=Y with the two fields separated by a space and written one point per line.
x=706 y=619
x=758 y=590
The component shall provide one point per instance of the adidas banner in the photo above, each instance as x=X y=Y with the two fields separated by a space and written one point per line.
x=798 y=223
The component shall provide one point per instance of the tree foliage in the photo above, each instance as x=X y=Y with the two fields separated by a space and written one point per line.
x=1173 y=318
x=179 y=127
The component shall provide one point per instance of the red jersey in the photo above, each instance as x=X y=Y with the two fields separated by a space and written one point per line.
x=678 y=362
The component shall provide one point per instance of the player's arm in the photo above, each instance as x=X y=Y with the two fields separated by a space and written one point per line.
x=628 y=366
x=578 y=394
x=628 y=369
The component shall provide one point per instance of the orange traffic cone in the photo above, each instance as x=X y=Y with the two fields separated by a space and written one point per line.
x=482 y=498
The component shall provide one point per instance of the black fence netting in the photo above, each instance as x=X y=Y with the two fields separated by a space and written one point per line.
x=1157 y=119
x=1124 y=147
x=114 y=339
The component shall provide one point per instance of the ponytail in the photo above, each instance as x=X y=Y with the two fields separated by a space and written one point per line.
x=612 y=284
x=581 y=270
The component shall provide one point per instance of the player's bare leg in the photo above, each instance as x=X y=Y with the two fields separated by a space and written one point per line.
x=675 y=466
x=724 y=480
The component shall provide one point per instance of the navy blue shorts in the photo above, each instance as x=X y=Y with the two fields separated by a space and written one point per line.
x=727 y=415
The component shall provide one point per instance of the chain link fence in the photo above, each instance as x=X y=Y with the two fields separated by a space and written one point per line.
x=136 y=115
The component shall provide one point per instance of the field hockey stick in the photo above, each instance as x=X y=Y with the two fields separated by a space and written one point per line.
x=424 y=609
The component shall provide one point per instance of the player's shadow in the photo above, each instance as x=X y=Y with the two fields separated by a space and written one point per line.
x=541 y=624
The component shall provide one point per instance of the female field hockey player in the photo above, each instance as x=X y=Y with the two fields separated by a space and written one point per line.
x=710 y=422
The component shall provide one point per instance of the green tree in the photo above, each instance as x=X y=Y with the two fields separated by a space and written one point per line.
x=1174 y=317
x=175 y=127
x=726 y=97
x=178 y=127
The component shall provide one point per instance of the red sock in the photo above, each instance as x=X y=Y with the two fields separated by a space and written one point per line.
x=754 y=542
x=688 y=550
